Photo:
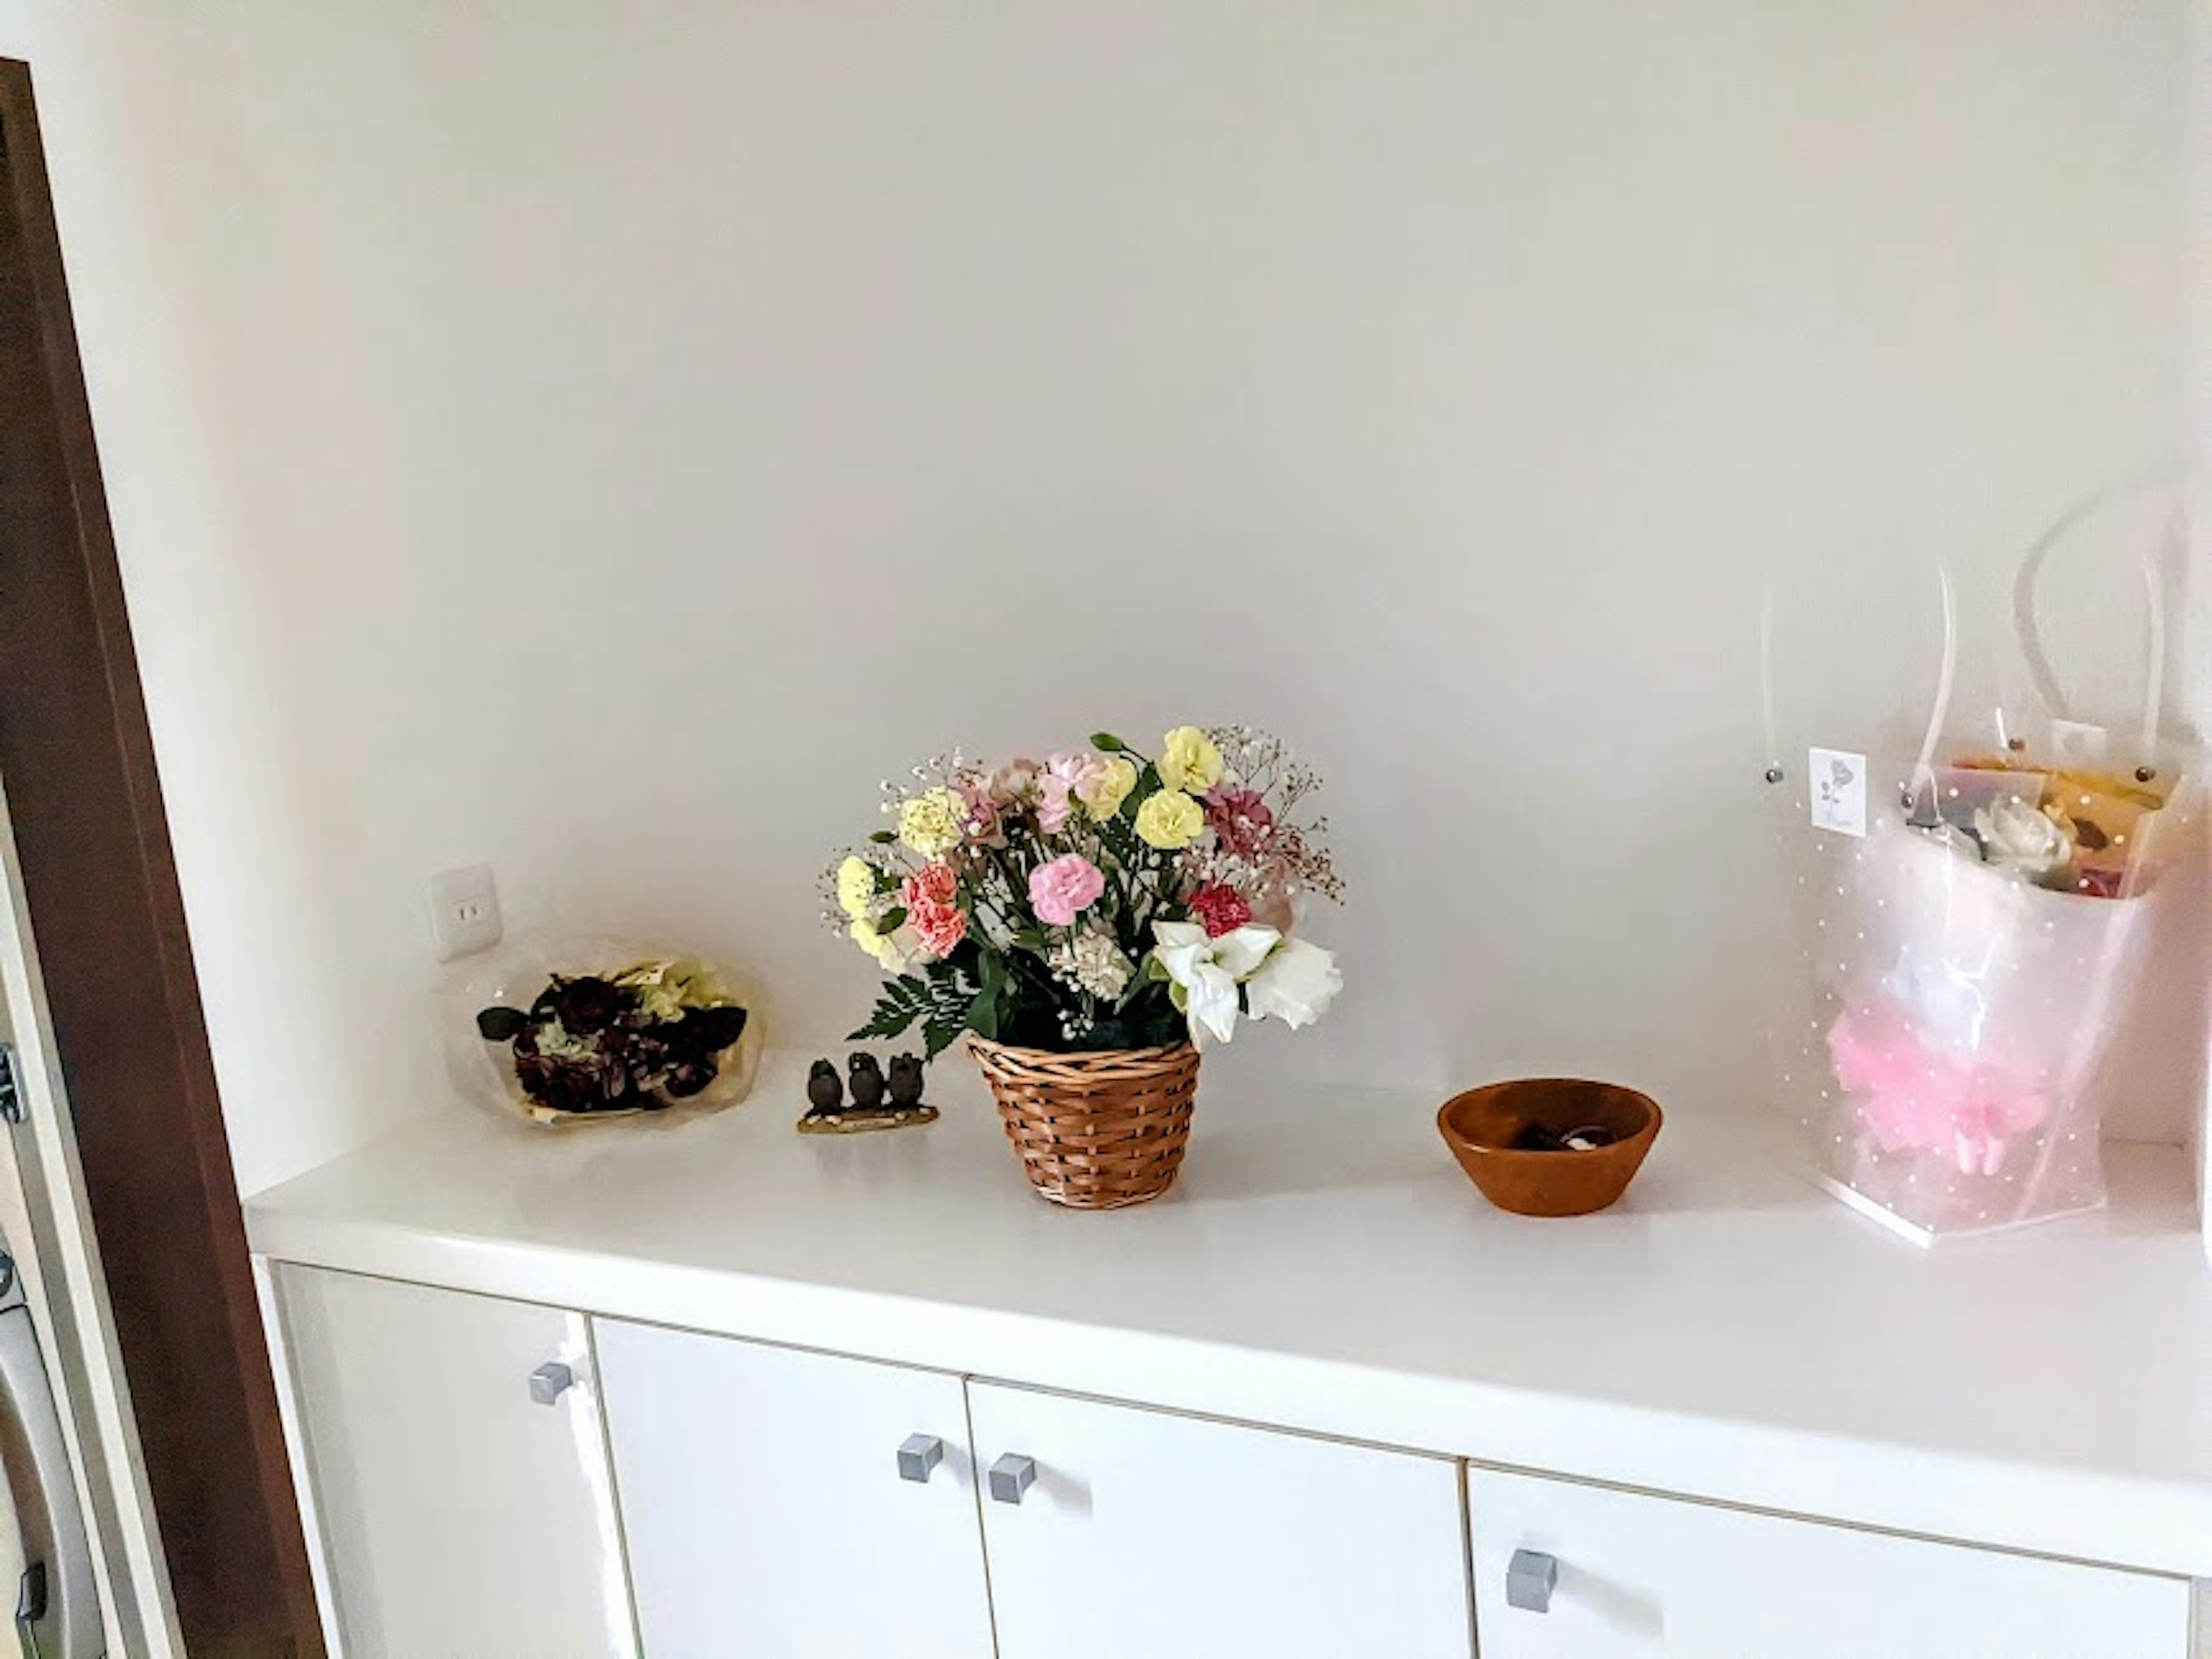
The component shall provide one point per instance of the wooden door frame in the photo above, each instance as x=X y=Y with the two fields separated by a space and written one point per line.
x=100 y=881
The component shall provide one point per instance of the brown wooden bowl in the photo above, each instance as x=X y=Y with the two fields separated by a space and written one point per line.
x=1482 y=1125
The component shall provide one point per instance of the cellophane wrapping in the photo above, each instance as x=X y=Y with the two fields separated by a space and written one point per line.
x=1966 y=963
x=514 y=976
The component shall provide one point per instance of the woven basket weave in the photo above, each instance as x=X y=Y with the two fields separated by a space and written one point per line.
x=1095 y=1131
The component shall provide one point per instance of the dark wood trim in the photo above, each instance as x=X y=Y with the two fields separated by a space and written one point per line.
x=77 y=759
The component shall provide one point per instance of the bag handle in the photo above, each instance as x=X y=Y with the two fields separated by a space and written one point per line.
x=1924 y=769
x=2027 y=626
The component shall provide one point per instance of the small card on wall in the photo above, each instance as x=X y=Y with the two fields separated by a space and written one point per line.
x=1836 y=788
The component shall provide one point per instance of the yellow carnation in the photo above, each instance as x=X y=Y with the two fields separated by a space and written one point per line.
x=930 y=823
x=1189 y=761
x=856 y=886
x=879 y=945
x=1170 y=819
x=1106 y=785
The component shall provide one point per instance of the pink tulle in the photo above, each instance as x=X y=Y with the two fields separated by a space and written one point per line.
x=1910 y=1096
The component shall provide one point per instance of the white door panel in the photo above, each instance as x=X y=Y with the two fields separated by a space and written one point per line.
x=1649 y=1576
x=462 y=1517
x=767 y=1515
x=1150 y=1533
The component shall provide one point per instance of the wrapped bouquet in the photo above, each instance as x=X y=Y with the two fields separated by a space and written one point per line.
x=639 y=1036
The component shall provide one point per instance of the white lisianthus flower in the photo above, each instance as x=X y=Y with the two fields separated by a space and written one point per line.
x=1295 y=984
x=1206 y=972
x=2023 y=837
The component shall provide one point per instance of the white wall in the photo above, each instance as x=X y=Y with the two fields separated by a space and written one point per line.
x=608 y=438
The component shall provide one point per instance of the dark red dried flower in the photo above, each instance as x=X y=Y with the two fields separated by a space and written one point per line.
x=1239 y=818
x=1220 y=910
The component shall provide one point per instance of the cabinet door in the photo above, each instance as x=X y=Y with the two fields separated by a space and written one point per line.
x=1148 y=1532
x=1639 y=1575
x=769 y=1511
x=461 y=1518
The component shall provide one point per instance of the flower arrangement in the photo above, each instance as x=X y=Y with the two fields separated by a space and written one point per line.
x=2071 y=831
x=639 y=1038
x=1100 y=900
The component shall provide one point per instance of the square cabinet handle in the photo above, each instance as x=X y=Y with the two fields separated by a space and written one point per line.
x=918 y=1454
x=1530 y=1579
x=1010 y=1476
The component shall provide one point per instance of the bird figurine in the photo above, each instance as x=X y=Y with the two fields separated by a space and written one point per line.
x=905 y=1082
x=867 y=1081
x=877 y=1103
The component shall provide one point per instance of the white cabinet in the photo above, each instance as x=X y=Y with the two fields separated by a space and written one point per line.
x=769 y=1511
x=462 y=1517
x=477 y=1500
x=1638 y=1575
x=1144 y=1532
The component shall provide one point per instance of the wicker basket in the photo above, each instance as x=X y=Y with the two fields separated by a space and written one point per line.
x=1095 y=1131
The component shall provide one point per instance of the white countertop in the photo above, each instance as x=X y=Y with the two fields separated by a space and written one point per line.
x=1724 y=1332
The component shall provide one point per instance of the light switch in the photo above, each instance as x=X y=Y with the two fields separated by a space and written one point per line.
x=464 y=911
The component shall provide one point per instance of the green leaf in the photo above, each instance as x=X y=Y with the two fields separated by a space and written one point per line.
x=883 y=837
x=501 y=1024
x=942 y=1029
x=1109 y=1033
x=903 y=1002
x=1106 y=743
x=1148 y=785
x=984 y=1014
x=893 y=919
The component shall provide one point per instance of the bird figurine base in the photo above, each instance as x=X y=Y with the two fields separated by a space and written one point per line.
x=854 y=1121
x=877 y=1103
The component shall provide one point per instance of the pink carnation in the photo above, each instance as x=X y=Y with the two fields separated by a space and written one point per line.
x=1061 y=889
x=1239 y=818
x=1220 y=910
x=938 y=927
x=1056 y=787
x=934 y=884
x=1053 y=803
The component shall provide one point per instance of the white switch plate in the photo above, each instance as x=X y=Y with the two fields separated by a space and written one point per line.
x=464 y=911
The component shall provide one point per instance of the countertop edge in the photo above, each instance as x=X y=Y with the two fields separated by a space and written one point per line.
x=2145 y=1525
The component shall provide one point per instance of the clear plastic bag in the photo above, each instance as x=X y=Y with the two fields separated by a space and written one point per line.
x=1968 y=933
x=486 y=1070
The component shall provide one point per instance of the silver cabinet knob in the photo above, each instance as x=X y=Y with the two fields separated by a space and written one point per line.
x=1530 y=1579
x=1010 y=1476
x=549 y=1382
x=918 y=1454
